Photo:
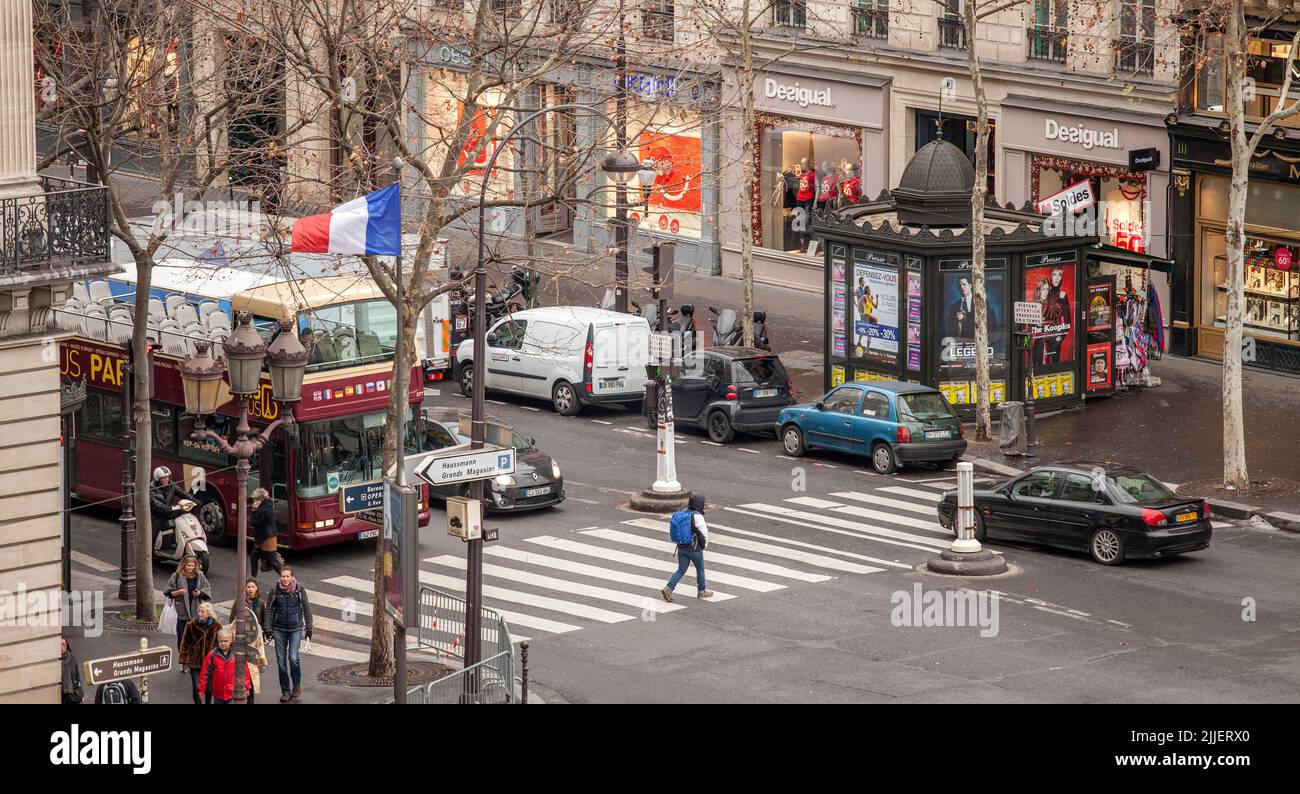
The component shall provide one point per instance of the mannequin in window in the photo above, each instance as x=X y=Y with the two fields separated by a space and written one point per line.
x=850 y=188
x=804 y=198
x=827 y=185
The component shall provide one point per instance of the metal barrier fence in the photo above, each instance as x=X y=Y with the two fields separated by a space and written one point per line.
x=442 y=626
x=491 y=681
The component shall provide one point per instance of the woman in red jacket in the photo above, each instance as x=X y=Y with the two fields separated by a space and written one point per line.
x=218 y=674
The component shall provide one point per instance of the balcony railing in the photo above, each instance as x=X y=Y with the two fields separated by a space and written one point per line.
x=1134 y=57
x=871 y=21
x=1046 y=45
x=789 y=14
x=68 y=223
x=952 y=33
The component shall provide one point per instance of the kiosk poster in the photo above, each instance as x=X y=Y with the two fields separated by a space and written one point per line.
x=837 y=376
x=837 y=320
x=837 y=296
x=837 y=271
x=957 y=323
x=914 y=358
x=1099 y=316
x=1052 y=286
x=1099 y=366
x=838 y=345
x=875 y=312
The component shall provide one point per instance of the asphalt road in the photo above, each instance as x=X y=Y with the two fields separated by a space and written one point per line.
x=811 y=559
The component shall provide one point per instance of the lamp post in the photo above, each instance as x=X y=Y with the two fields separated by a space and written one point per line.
x=202 y=377
x=646 y=179
x=619 y=165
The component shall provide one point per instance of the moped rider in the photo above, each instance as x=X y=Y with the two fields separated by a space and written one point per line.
x=162 y=493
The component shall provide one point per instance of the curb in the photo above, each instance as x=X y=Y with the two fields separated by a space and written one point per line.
x=1289 y=522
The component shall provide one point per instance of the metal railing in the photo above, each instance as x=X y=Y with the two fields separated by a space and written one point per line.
x=490 y=682
x=871 y=20
x=952 y=33
x=442 y=625
x=1133 y=56
x=67 y=223
x=1046 y=44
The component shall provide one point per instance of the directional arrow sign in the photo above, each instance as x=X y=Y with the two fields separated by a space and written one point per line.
x=130 y=665
x=361 y=496
x=463 y=465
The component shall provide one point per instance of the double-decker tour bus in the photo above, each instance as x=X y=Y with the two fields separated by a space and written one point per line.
x=340 y=418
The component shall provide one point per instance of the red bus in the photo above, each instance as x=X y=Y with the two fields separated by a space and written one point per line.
x=340 y=419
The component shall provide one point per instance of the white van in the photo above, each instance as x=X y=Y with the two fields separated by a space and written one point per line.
x=570 y=355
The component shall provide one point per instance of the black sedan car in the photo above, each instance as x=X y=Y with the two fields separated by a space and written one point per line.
x=536 y=483
x=726 y=390
x=1113 y=512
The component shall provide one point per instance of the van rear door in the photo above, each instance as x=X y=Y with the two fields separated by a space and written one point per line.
x=620 y=351
x=433 y=337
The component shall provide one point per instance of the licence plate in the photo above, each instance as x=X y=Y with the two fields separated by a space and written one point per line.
x=367 y=534
x=462 y=323
x=764 y=393
x=537 y=491
x=1186 y=517
x=613 y=383
x=937 y=433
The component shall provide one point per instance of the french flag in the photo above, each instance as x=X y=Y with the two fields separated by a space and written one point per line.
x=371 y=224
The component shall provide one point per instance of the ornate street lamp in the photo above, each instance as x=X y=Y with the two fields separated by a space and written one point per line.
x=205 y=393
x=645 y=177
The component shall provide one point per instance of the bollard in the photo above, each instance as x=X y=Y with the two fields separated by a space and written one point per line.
x=144 y=680
x=523 y=669
x=965 y=542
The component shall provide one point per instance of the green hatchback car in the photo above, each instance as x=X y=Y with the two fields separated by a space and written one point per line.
x=890 y=422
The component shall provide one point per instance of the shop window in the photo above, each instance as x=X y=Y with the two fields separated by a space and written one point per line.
x=1265 y=74
x=658 y=19
x=669 y=138
x=1134 y=49
x=960 y=131
x=871 y=19
x=789 y=13
x=803 y=168
x=1272 y=285
x=1047 y=35
x=1122 y=196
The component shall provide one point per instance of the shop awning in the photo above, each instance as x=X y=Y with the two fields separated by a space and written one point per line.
x=1110 y=253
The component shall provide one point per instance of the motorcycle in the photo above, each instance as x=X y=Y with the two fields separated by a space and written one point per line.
x=728 y=331
x=500 y=302
x=191 y=540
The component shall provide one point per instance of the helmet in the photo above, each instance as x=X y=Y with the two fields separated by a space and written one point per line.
x=161 y=471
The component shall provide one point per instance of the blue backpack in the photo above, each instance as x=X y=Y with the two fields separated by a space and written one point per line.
x=681 y=528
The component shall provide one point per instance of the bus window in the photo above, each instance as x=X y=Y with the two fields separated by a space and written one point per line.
x=101 y=416
x=275 y=478
x=164 y=429
x=349 y=334
x=352 y=447
x=205 y=453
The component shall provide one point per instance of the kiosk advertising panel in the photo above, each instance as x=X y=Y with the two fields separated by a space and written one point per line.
x=957 y=323
x=875 y=307
x=1050 y=282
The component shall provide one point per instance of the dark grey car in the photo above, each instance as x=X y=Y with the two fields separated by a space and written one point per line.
x=537 y=481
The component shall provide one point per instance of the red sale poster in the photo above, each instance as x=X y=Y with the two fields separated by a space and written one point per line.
x=677 y=163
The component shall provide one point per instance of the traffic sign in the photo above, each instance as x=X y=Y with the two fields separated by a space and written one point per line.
x=662 y=348
x=462 y=465
x=361 y=496
x=1028 y=313
x=372 y=516
x=129 y=665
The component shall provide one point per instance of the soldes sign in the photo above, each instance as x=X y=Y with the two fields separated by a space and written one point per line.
x=1074 y=198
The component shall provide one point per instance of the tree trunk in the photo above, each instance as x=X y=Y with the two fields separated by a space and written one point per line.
x=983 y=417
x=144 y=588
x=1234 y=435
x=747 y=221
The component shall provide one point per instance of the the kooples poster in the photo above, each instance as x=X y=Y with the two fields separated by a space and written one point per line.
x=1052 y=287
x=957 y=323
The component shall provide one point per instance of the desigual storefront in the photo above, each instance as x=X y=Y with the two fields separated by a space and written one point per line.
x=820 y=144
x=1199 y=202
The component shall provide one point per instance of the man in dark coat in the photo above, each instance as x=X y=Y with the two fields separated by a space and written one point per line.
x=265 y=535
x=163 y=493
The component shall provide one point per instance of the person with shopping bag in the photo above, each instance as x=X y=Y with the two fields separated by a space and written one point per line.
x=184 y=590
x=254 y=642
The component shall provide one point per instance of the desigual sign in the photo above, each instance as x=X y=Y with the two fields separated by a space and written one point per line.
x=799 y=95
x=1086 y=137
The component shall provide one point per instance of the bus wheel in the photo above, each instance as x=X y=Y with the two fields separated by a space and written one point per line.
x=213 y=518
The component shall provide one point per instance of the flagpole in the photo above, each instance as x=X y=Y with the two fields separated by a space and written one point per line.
x=400 y=382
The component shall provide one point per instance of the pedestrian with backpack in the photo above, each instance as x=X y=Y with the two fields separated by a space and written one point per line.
x=288 y=618
x=688 y=530
x=117 y=693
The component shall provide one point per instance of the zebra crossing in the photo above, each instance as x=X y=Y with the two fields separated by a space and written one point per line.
x=560 y=583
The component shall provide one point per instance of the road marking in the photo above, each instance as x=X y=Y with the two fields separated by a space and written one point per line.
x=934 y=479
x=636 y=429
x=787 y=457
x=824 y=528
x=601 y=422
x=496 y=402
x=811 y=501
x=751 y=451
x=584 y=501
x=710 y=443
x=592 y=571
x=564 y=586
x=512 y=617
x=93 y=562
x=826 y=465
x=661 y=564
x=530 y=408
x=892 y=518
x=940 y=484
x=528 y=599
x=898 y=489
x=713 y=558
x=717 y=539
x=884 y=501
x=868 y=529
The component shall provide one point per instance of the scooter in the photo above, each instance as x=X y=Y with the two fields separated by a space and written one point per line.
x=191 y=540
x=728 y=332
x=499 y=303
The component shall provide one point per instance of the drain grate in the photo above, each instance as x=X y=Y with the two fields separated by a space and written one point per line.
x=1258 y=489
x=359 y=674
x=125 y=620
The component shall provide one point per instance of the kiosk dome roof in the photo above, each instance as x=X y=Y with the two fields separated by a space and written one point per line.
x=938 y=167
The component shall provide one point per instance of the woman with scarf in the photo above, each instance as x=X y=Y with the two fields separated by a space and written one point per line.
x=186 y=588
x=254 y=642
x=199 y=638
x=288 y=617
x=73 y=692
